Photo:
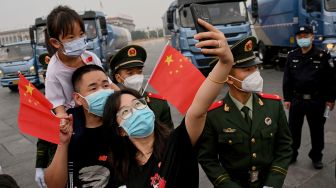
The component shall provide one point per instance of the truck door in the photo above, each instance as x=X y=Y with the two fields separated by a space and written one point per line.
x=311 y=14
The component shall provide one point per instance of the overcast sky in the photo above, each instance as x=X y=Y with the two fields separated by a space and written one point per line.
x=16 y=14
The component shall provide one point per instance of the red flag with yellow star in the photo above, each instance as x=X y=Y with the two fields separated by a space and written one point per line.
x=35 y=116
x=176 y=79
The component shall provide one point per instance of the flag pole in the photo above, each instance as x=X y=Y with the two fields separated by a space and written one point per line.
x=164 y=49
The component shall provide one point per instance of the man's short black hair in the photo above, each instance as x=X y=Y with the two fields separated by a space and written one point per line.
x=78 y=74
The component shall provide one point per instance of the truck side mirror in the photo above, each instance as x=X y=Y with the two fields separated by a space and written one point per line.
x=255 y=8
x=170 y=20
x=102 y=22
x=32 y=34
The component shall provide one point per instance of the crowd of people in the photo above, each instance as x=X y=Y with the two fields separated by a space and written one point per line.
x=115 y=134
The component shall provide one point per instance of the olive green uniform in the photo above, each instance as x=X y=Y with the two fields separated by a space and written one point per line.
x=44 y=153
x=160 y=108
x=233 y=154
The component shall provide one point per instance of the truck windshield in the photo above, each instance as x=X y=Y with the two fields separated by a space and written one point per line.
x=221 y=13
x=40 y=40
x=18 y=52
x=90 y=29
x=330 y=5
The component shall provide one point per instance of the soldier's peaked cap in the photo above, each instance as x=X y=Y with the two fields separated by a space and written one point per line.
x=128 y=57
x=243 y=54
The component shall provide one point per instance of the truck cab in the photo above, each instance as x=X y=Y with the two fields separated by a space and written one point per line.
x=230 y=17
x=276 y=22
x=104 y=40
x=18 y=58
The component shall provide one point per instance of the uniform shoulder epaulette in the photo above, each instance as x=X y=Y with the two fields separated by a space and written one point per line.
x=269 y=96
x=154 y=96
x=216 y=105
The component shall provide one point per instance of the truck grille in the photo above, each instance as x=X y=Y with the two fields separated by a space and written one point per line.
x=15 y=74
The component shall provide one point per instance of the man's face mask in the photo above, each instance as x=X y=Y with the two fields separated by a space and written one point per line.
x=75 y=48
x=252 y=83
x=134 y=82
x=96 y=101
x=304 y=42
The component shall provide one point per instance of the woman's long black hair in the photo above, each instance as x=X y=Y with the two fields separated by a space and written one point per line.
x=123 y=150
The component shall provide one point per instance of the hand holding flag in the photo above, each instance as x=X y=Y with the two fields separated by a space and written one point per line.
x=35 y=117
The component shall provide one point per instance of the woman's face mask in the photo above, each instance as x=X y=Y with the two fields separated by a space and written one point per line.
x=252 y=83
x=75 y=48
x=140 y=124
x=96 y=101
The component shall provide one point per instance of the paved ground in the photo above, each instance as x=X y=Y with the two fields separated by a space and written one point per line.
x=17 y=151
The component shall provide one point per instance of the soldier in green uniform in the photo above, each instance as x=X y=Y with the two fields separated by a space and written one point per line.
x=246 y=141
x=126 y=67
x=44 y=150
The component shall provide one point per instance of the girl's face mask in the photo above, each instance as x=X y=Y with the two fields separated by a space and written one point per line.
x=75 y=48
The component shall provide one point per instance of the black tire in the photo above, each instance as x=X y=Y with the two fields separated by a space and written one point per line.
x=265 y=55
x=13 y=88
x=262 y=51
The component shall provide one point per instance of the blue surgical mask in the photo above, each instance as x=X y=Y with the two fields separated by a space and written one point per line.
x=97 y=100
x=140 y=124
x=75 y=48
x=304 y=42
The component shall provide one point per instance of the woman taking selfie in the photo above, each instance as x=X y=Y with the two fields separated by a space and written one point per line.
x=144 y=153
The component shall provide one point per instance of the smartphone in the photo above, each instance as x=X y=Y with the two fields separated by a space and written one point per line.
x=202 y=12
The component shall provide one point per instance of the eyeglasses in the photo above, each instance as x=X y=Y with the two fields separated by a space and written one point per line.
x=127 y=111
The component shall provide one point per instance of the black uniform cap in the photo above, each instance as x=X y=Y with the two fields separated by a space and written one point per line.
x=305 y=29
x=128 y=57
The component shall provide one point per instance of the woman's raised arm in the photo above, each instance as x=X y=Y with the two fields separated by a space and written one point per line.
x=210 y=88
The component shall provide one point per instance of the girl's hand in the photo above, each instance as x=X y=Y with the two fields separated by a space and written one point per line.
x=214 y=38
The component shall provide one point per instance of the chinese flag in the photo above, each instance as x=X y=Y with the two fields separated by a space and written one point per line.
x=176 y=79
x=35 y=116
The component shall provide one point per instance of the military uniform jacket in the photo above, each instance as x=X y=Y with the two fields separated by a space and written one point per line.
x=160 y=108
x=230 y=148
x=311 y=73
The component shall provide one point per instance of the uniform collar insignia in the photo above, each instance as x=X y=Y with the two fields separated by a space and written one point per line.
x=226 y=108
x=261 y=103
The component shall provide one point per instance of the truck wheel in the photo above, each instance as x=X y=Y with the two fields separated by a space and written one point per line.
x=13 y=88
x=265 y=56
x=261 y=51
